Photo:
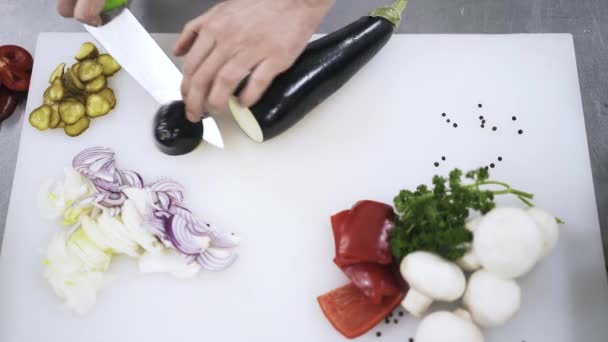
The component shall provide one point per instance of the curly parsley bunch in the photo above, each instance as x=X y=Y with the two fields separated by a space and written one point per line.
x=433 y=220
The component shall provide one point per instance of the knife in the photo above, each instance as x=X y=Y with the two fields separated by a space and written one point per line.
x=123 y=36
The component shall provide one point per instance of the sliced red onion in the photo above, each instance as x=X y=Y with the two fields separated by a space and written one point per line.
x=173 y=224
x=91 y=155
x=102 y=185
x=164 y=201
x=191 y=258
x=132 y=178
x=171 y=188
x=155 y=225
x=214 y=259
x=181 y=237
x=113 y=199
x=218 y=238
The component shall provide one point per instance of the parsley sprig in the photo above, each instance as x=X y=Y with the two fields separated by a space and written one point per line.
x=433 y=219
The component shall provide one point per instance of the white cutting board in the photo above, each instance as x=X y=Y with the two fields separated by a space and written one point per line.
x=382 y=132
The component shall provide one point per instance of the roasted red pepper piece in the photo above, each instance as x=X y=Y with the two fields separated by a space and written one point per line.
x=373 y=280
x=15 y=67
x=351 y=312
x=8 y=102
x=362 y=234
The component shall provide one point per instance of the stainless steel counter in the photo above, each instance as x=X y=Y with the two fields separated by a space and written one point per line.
x=587 y=20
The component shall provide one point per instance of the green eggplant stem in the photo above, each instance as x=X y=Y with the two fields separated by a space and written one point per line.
x=392 y=12
x=114 y=4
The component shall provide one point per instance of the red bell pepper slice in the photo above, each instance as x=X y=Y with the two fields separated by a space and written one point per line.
x=362 y=234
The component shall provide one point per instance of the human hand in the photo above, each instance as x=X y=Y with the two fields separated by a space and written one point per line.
x=237 y=38
x=86 y=11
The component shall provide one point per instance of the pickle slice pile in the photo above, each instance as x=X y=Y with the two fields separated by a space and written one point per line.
x=77 y=94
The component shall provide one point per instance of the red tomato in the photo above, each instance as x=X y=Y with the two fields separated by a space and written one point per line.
x=352 y=313
x=8 y=102
x=15 y=67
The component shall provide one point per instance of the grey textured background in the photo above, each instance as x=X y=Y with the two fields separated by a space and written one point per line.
x=587 y=20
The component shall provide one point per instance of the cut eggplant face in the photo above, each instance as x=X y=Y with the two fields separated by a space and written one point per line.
x=173 y=133
x=246 y=120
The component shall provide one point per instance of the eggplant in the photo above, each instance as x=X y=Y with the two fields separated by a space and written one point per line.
x=173 y=133
x=323 y=68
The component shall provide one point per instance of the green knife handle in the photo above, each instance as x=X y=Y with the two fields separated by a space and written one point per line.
x=114 y=4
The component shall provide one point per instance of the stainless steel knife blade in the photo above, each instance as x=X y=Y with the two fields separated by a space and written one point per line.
x=132 y=46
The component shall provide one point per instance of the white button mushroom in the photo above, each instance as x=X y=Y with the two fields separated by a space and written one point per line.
x=469 y=262
x=430 y=278
x=548 y=227
x=443 y=326
x=508 y=242
x=491 y=300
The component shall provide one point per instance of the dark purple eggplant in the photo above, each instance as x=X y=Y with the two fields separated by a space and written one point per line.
x=173 y=133
x=324 y=67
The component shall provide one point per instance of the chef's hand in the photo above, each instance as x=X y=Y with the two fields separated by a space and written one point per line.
x=241 y=37
x=86 y=11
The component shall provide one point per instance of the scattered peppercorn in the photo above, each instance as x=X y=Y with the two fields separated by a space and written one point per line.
x=480 y=105
x=499 y=158
x=455 y=125
x=378 y=334
x=436 y=165
x=494 y=128
x=492 y=165
x=520 y=131
x=401 y=313
x=395 y=321
x=443 y=114
x=513 y=118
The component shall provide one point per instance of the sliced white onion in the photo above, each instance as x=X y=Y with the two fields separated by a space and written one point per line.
x=117 y=235
x=168 y=261
x=133 y=221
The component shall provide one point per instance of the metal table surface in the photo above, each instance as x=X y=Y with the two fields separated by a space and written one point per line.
x=587 y=20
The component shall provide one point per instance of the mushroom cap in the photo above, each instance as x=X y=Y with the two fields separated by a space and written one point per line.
x=443 y=326
x=469 y=261
x=473 y=223
x=508 y=242
x=548 y=226
x=491 y=300
x=433 y=276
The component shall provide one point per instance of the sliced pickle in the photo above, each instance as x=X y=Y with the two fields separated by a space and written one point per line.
x=41 y=117
x=71 y=111
x=56 y=91
x=108 y=94
x=55 y=119
x=57 y=73
x=87 y=50
x=97 y=106
x=89 y=70
x=96 y=85
x=77 y=128
x=110 y=66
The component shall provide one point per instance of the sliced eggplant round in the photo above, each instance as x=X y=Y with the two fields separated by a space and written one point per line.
x=173 y=133
x=324 y=67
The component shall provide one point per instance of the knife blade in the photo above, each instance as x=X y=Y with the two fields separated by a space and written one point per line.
x=132 y=46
